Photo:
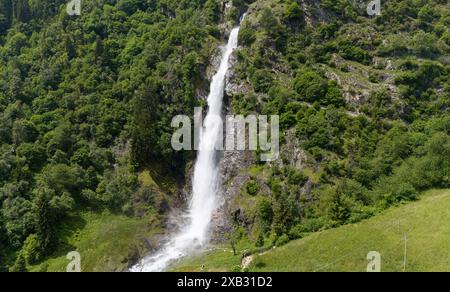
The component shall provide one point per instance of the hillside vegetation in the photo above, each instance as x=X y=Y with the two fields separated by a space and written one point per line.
x=424 y=223
x=103 y=240
x=86 y=104
x=363 y=105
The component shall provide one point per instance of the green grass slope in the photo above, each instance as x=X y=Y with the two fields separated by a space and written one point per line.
x=425 y=223
x=103 y=240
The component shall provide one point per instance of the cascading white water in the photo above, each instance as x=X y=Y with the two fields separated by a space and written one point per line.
x=204 y=199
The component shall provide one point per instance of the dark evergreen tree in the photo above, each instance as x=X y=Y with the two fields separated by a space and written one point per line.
x=20 y=265
x=145 y=135
x=212 y=10
x=45 y=223
x=339 y=209
x=5 y=15
x=21 y=10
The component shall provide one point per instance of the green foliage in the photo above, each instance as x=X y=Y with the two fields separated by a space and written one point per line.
x=86 y=102
x=296 y=177
x=273 y=29
x=342 y=8
x=354 y=53
x=339 y=208
x=5 y=15
x=293 y=12
x=259 y=241
x=49 y=208
x=18 y=216
x=282 y=240
x=78 y=94
x=421 y=79
x=262 y=80
x=32 y=249
x=246 y=35
x=145 y=135
x=213 y=10
x=264 y=211
x=252 y=187
x=310 y=85
x=20 y=265
x=309 y=225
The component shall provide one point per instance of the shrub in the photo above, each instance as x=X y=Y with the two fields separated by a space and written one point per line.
x=212 y=10
x=246 y=36
x=374 y=77
x=297 y=177
x=264 y=210
x=339 y=208
x=354 y=53
x=405 y=192
x=334 y=95
x=309 y=225
x=259 y=241
x=236 y=269
x=252 y=187
x=293 y=12
x=20 y=264
x=282 y=240
x=310 y=85
x=262 y=80
x=31 y=249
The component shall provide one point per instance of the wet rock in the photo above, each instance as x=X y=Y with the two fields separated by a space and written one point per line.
x=233 y=180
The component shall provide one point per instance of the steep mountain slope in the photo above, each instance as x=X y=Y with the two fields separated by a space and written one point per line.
x=363 y=105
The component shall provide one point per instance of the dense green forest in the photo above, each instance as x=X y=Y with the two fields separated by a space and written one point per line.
x=86 y=103
x=366 y=99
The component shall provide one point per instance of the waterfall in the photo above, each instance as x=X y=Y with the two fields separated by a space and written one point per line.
x=205 y=186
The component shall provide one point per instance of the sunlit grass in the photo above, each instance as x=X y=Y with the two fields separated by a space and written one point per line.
x=425 y=223
x=103 y=241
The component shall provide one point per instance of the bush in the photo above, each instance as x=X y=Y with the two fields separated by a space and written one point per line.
x=362 y=213
x=236 y=269
x=246 y=36
x=340 y=208
x=212 y=10
x=309 y=225
x=310 y=85
x=252 y=187
x=264 y=211
x=262 y=80
x=293 y=12
x=20 y=264
x=404 y=192
x=31 y=249
x=297 y=177
x=334 y=95
x=374 y=77
x=282 y=240
x=259 y=241
x=354 y=53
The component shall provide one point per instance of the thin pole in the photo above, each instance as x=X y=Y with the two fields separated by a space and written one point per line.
x=405 y=255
